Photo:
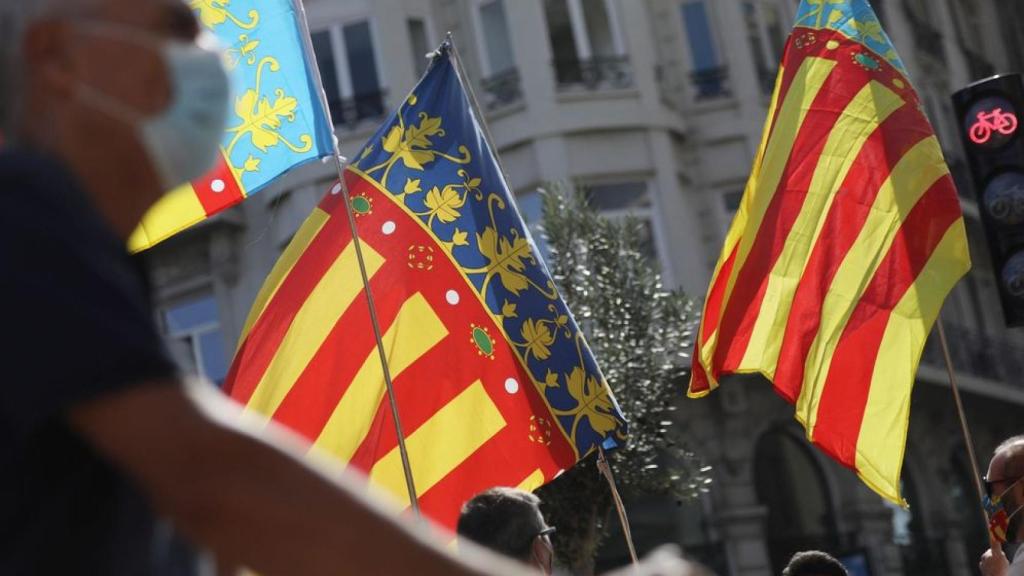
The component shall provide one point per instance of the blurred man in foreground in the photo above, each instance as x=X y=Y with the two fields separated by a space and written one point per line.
x=104 y=105
x=1004 y=483
x=509 y=522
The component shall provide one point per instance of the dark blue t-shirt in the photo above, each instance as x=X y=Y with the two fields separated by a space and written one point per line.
x=77 y=327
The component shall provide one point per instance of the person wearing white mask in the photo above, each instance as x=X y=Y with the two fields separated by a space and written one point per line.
x=104 y=106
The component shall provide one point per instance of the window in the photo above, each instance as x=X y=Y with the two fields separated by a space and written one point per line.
x=790 y=483
x=349 y=70
x=708 y=74
x=586 y=43
x=420 y=45
x=623 y=200
x=497 y=42
x=501 y=85
x=767 y=31
x=193 y=329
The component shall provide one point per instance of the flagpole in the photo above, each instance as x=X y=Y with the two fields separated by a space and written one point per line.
x=964 y=428
x=340 y=162
x=602 y=462
x=606 y=470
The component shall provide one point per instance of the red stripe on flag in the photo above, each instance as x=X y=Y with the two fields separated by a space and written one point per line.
x=844 y=397
x=311 y=400
x=218 y=189
x=699 y=382
x=510 y=454
x=881 y=152
x=259 y=348
x=744 y=304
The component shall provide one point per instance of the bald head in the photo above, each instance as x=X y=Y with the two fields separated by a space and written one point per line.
x=1008 y=459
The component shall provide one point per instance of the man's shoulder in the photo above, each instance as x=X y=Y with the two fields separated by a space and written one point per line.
x=29 y=178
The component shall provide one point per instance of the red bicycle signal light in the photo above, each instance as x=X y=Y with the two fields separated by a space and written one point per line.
x=991 y=122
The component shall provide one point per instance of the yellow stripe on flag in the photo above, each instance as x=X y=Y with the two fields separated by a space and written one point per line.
x=915 y=173
x=305 y=235
x=533 y=481
x=316 y=318
x=761 y=187
x=414 y=332
x=442 y=443
x=172 y=213
x=882 y=439
x=859 y=120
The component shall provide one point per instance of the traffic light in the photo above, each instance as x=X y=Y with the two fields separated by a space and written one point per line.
x=992 y=130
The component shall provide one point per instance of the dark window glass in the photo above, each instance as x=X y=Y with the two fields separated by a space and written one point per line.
x=701 y=39
x=324 y=50
x=362 y=66
x=496 y=36
x=420 y=45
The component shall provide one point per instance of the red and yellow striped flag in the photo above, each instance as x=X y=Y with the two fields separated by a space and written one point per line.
x=494 y=382
x=847 y=241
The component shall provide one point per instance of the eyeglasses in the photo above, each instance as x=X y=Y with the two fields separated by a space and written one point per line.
x=990 y=482
x=542 y=534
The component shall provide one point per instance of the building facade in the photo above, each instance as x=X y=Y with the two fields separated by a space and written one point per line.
x=656 y=107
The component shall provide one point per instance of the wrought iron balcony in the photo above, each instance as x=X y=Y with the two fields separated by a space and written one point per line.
x=978 y=355
x=595 y=73
x=711 y=82
x=927 y=39
x=350 y=112
x=502 y=89
x=977 y=65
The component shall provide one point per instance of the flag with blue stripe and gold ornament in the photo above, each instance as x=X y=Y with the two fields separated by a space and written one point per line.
x=277 y=120
x=493 y=379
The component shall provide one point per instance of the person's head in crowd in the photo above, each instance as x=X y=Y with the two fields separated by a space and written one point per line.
x=1005 y=481
x=509 y=521
x=814 y=563
x=127 y=94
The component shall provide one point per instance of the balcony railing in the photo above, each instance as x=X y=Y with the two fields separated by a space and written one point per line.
x=350 y=112
x=594 y=74
x=927 y=39
x=711 y=82
x=502 y=89
x=978 y=355
x=978 y=66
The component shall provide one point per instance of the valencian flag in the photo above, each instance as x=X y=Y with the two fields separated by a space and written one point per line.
x=494 y=381
x=277 y=119
x=847 y=241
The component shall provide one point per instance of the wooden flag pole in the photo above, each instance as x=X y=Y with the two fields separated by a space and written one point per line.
x=606 y=470
x=963 y=420
x=340 y=161
x=602 y=461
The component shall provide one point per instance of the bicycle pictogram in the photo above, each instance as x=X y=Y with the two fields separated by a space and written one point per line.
x=988 y=123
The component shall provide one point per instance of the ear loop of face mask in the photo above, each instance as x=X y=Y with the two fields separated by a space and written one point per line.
x=105 y=103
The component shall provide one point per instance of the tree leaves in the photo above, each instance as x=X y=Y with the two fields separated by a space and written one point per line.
x=506 y=258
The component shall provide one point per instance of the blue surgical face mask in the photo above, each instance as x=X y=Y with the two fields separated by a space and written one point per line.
x=182 y=140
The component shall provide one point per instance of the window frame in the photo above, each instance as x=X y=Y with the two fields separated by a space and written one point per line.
x=340 y=52
x=581 y=37
x=486 y=69
x=193 y=334
x=431 y=34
